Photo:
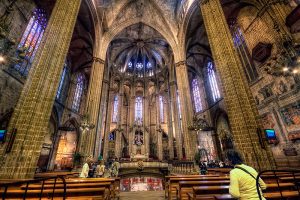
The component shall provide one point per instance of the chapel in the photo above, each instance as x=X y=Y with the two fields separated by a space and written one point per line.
x=163 y=88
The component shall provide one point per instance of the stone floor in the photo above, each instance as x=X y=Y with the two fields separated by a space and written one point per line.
x=142 y=195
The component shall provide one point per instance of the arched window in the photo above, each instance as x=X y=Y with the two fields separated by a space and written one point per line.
x=243 y=52
x=78 y=92
x=213 y=81
x=61 y=82
x=115 y=110
x=138 y=109
x=31 y=40
x=196 y=95
x=161 y=109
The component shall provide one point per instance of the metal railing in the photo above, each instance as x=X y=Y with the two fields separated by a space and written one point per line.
x=295 y=180
x=39 y=180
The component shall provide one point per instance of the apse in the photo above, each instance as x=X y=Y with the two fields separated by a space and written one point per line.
x=139 y=51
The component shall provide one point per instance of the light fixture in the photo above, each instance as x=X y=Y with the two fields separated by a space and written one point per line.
x=199 y=124
x=85 y=124
x=2 y=59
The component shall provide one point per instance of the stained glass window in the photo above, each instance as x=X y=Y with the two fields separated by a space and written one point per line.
x=61 y=82
x=111 y=136
x=213 y=81
x=115 y=110
x=196 y=95
x=130 y=65
x=139 y=66
x=244 y=53
x=78 y=92
x=149 y=65
x=161 y=108
x=138 y=109
x=31 y=40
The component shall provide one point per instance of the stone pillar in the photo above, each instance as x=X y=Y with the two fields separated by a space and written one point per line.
x=108 y=122
x=131 y=110
x=93 y=105
x=158 y=127
x=175 y=114
x=243 y=114
x=186 y=109
x=118 y=146
x=33 y=110
x=170 y=128
x=147 y=122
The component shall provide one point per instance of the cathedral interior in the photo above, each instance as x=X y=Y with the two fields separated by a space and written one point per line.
x=164 y=82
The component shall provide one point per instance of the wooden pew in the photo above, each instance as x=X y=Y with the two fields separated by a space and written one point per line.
x=270 y=195
x=167 y=180
x=208 y=192
x=53 y=174
x=174 y=183
x=77 y=193
x=187 y=186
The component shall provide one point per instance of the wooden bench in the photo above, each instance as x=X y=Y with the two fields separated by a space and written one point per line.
x=270 y=195
x=187 y=186
x=174 y=183
x=167 y=180
x=98 y=193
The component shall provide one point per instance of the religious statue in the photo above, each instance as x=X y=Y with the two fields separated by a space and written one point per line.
x=138 y=138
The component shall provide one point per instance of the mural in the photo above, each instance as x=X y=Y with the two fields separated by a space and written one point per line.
x=291 y=116
x=268 y=121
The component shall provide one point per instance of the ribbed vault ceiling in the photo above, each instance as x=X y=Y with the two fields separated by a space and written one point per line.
x=139 y=50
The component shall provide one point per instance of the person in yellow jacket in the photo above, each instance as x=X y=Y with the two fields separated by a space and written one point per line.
x=243 y=179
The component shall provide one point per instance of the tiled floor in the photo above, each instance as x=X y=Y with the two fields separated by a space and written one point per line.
x=142 y=195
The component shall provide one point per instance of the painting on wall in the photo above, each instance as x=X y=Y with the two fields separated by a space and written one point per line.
x=291 y=116
x=268 y=121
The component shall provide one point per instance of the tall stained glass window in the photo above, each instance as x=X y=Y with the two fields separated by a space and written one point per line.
x=161 y=109
x=61 y=82
x=31 y=40
x=138 y=109
x=196 y=95
x=243 y=52
x=213 y=81
x=78 y=92
x=115 y=110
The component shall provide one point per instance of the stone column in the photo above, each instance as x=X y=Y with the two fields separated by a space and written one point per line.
x=243 y=114
x=158 y=127
x=175 y=114
x=186 y=109
x=118 y=146
x=108 y=122
x=93 y=105
x=132 y=112
x=170 y=128
x=33 y=110
x=147 y=122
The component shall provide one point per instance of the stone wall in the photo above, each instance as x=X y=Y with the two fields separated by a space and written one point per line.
x=276 y=97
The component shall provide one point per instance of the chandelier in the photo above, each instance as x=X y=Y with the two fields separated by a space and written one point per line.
x=85 y=124
x=199 y=124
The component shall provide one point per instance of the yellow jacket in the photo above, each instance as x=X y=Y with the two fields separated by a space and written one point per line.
x=243 y=185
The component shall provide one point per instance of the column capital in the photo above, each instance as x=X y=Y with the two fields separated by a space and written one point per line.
x=99 y=60
x=178 y=64
x=171 y=83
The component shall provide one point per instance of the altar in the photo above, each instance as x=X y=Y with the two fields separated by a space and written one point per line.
x=136 y=157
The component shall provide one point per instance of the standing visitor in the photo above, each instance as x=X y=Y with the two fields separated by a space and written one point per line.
x=100 y=169
x=203 y=168
x=115 y=168
x=243 y=179
x=86 y=168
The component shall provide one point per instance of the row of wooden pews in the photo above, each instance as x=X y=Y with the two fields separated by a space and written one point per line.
x=59 y=188
x=216 y=186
